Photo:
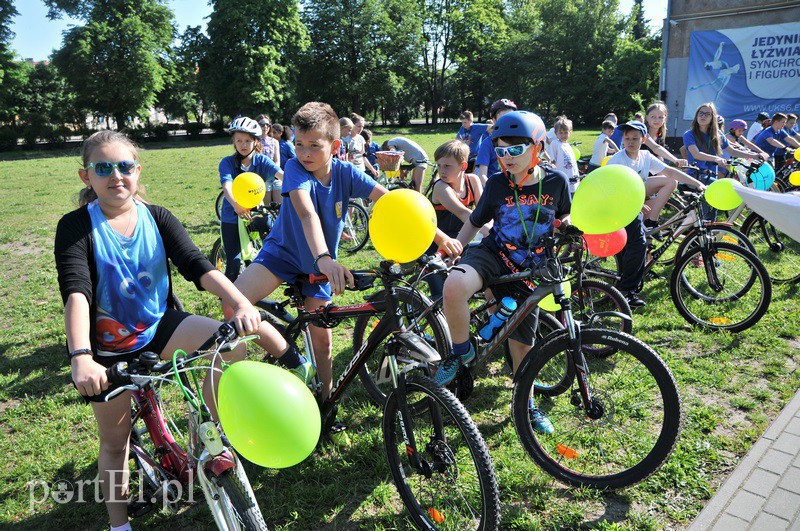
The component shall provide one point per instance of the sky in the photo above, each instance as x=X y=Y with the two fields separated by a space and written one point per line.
x=36 y=37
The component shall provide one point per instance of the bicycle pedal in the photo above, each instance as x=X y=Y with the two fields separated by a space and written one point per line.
x=338 y=434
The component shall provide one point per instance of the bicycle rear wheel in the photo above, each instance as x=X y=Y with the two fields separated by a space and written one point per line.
x=455 y=486
x=736 y=302
x=432 y=328
x=779 y=253
x=218 y=204
x=356 y=228
x=631 y=429
x=235 y=493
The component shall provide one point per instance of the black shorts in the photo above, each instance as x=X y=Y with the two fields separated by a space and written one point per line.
x=166 y=327
x=489 y=264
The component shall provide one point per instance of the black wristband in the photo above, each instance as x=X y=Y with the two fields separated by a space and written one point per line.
x=80 y=352
x=318 y=258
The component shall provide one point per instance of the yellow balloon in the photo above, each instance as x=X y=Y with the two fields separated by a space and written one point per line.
x=248 y=189
x=402 y=225
x=794 y=177
x=549 y=302
x=605 y=160
x=797 y=155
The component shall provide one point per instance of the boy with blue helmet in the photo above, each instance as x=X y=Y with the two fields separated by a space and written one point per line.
x=522 y=200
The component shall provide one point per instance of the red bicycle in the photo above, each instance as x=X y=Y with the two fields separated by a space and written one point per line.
x=164 y=466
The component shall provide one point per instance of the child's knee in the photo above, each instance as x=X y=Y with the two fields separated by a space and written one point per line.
x=456 y=289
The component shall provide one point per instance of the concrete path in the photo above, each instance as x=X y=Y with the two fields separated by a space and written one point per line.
x=763 y=492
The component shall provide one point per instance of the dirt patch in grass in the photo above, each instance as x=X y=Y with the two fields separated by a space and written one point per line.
x=22 y=248
x=8 y=404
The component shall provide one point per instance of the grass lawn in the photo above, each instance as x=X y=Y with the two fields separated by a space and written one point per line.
x=731 y=385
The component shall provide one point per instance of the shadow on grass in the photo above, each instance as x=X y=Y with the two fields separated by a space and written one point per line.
x=38 y=372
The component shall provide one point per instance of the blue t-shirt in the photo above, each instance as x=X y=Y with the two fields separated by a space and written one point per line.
x=690 y=140
x=369 y=152
x=287 y=241
x=761 y=140
x=287 y=152
x=229 y=169
x=132 y=282
x=472 y=137
x=487 y=156
x=507 y=234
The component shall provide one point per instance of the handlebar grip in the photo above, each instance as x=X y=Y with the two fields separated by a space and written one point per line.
x=317 y=279
x=118 y=375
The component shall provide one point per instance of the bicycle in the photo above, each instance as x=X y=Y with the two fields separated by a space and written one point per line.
x=354 y=235
x=207 y=456
x=715 y=284
x=437 y=457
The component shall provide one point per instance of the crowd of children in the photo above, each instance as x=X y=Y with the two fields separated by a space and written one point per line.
x=523 y=181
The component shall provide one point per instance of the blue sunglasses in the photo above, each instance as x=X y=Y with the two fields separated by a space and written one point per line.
x=104 y=169
x=513 y=151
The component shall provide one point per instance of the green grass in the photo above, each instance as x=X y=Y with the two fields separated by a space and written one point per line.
x=731 y=385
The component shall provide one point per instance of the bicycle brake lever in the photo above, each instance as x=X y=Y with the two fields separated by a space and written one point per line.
x=119 y=390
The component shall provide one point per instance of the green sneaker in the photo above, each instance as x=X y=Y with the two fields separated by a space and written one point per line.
x=305 y=371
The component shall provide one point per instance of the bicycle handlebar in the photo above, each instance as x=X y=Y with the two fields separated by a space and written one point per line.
x=135 y=374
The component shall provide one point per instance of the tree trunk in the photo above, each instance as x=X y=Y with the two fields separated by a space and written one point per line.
x=119 y=117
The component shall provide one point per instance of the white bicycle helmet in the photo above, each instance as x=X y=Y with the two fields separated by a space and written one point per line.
x=245 y=125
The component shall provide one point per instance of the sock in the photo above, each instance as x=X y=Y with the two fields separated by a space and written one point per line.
x=650 y=223
x=124 y=527
x=292 y=358
x=460 y=349
x=530 y=403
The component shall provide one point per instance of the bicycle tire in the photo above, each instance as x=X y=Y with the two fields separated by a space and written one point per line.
x=558 y=378
x=722 y=233
x=356 y=228
x=606 y=269
x=696 y=301
x=217 y=255
x=595 y=297
x=241 y=500
x=459 y=490
x=218 y=204
x=434 y=330
x=633 y=433
x=779 y=253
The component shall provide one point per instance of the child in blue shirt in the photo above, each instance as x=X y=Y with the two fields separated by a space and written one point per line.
x=304 y=240
x=775 y=139
x=486 y=162
x=522 y=201
x=283 y=135
x=471 y=134
x=370 y=147
x=247 y=158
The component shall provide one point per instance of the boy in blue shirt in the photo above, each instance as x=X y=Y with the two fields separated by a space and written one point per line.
x=523 y=201
x=304 y=240
x=486 y=163
x=471 y=134
x=775 y=139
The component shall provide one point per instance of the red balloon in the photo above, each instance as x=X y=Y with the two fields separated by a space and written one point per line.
x=605 y=245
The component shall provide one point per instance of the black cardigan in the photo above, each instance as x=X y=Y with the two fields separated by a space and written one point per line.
x=74 y=252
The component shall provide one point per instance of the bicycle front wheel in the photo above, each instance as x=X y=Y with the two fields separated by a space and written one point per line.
x=237 y=500
x=432 y=328
x=356 y=228
x=629 y=431
x=728 y=289
x=446 y=480
x=779 y=253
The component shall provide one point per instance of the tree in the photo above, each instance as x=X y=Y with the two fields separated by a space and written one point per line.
x=182 y=94
x=630 y=78
x=638 y=24
x=439 y=21
x=115 y=62
x=249 y=64
x=12 y=74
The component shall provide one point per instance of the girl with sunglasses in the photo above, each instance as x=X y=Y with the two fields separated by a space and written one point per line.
x=112 y=256
x=247 y=158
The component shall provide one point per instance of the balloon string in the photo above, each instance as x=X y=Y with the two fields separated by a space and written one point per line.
x=522 y=218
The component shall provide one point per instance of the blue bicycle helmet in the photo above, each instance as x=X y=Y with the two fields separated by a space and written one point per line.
x=520 y=123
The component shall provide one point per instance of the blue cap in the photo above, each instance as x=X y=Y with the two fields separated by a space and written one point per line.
x=634 y=124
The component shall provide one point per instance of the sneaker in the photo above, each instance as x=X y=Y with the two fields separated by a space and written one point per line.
x=449 y=367
x=305 y=371
x=634 y=301
x=539 y=421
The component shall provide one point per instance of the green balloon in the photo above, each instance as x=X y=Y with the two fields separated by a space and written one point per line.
x=269 y=415
x=607 y=199
x=721 y=194
x=577 y=152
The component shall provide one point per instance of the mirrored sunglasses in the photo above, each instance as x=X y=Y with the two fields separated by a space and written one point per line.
x=104 y=169
x=512 y=151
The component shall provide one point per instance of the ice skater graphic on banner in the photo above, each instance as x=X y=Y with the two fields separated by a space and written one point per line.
x=724 y=74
